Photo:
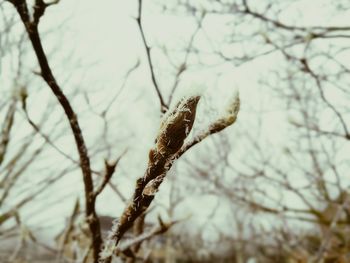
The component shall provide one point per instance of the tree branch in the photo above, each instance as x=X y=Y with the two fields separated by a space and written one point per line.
x=173 y=131
x=47 y=75
x=109 y=170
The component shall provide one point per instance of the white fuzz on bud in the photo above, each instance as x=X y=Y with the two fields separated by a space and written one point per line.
x=232 y=109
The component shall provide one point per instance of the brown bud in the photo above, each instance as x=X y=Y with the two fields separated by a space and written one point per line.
x=176 y=126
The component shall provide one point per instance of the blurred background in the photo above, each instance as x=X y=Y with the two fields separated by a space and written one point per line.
x=274 y=187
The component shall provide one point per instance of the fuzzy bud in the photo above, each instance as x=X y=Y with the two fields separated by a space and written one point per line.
x=176 y=126
x=232 y=110
x=229 y=116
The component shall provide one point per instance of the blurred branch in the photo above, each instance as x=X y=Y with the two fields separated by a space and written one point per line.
x=162 y=228
x=308 y=70
x=182 y=68
x=128 y=73
x=109 y=170
x=12 y=177
x=6 y=129
x=45 y=137
x=69 y=228
x=163 y=105
x=248 y=10
x=332 y=226
x=15 y=208
x=46 y=73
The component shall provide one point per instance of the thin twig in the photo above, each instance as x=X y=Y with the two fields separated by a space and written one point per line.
x=163 y=106
x=109 y=171
x=247 y=10
x=162 y=228
x=181 y=69
x=308 y=70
